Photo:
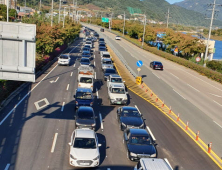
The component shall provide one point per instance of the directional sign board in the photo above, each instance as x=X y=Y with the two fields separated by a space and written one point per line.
x=105 y=19
x=139 y=63
x=17 y=51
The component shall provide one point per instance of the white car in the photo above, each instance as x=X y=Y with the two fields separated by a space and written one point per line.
x=84 y=148
x=118 y=37
x=64 y=59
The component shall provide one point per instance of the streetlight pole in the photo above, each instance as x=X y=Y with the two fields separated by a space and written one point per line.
x=7 y=9
x=124 y=24
x=144 y=29
x=40 y=4
x=59 y=9
x=52 y=15
x=64 y=17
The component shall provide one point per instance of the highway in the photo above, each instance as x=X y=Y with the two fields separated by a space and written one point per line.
x=196 y=98
x=37 y=125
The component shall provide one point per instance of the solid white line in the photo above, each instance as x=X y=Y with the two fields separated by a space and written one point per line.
x=7 y=166
x=94 y=55
x=215 y=95
x=56 y=79
x=25 y=96
x=101 y=120
x=97 y=93
x=94 y=64
x=71 y=74
x=74 y=65
x=63 y=104
x=54 y=142
x=156 y=75
x=179 y=94
x=193 y=87
x=218 y=124
x=154 y=139
x=74 y=48
x=217 y=103
x=95 y=75
x=67 y=88
x=138 y=109
x=174 y=75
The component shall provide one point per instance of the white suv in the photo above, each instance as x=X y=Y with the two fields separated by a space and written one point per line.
x=84 y=148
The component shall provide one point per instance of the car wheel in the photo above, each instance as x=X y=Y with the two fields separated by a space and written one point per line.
x=110 y=102
x=120 y=127
x=128 y=155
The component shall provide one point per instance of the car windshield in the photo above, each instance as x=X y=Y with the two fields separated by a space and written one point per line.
x=116 y=80
x=87 y=46
x=82 y=114
x=158 y=63
x=102 y=49
x=102 y=45
x=130 y=113
x=83 y=95
x=85 y=143
x=63 y=57
x=101 y=39
x=85 y=60
x=118 y=90
x=107 y=62
x=139 y=140
x=85 y=80
x=106 y=56
x=110 y=71
x=85 y=53
x=86 y=49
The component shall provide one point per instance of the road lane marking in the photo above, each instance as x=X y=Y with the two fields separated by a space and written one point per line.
x=218 y=124
x=151 y=134
x=97 y=93
x=7 y=166
x=71 y=74
x=67 y=88
x=215 y=95
x=54 y=142
x=101 y=120
x=94 y=64
x=95 y=75
x=54 y=81
x=156 y=75
x=94 y=55
x=40 y=107
x=57 y=79
x=217 y=103
x=179 y=94
x=74 y=65
x=193 y=88
x=138 y=109
x=174 y=75
x=63 y=104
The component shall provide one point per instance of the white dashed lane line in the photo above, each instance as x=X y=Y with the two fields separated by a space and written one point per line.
x=174 y=75
x=179 y=94
x=217 y=103
x=67 y=88
x=94 y=63
x=54 y=142
x=101 y=120
x=74 y=65
x=193 y=88
x=71 y=74
x=97 y=93
x=63 y=104
x=95 y=75
x=218 y=124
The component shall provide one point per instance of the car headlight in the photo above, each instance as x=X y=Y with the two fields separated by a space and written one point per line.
x=77 y=124
x=77 y=103
x=153 y=155
x=96 y=158
x=125 y=98
x=93 y=124
x=133 y=154
x=123 y=124
x=71 y=156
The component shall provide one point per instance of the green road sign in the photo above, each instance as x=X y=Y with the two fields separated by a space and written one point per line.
x=105 y=19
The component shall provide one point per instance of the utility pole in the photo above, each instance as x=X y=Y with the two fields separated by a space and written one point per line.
x=52 y=15
x=59 y=9
x=144 y=29
x=7 y=9
x=168 y=16
x=64 y=17
x=40 y=4
x=211 y=23
x=25 y=3
x=124 y=24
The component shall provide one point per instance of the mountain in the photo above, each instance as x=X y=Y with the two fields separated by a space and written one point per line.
x=201 y=6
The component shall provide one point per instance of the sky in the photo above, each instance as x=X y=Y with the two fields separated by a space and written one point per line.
x=173 y=1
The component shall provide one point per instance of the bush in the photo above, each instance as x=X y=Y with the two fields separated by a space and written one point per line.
x=214 y=65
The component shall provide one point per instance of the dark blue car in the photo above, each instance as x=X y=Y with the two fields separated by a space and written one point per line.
x=85 y=61
x=156 y=65
x=83 y=97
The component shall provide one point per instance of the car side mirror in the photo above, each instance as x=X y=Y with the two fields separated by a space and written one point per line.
x=70 y=143
x=99 y=145
x=127 y=93
x=124 y=81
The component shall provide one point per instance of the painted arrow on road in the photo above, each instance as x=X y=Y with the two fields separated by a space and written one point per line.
x=54 y=81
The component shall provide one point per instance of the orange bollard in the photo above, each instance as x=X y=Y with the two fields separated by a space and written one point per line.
x=178 y=117
x=187 y=125
x=163 y=104
x=151 y=94
x=142 y=86
x=170 y=110
x=209 y=147
x=146 y=90
x=197 y=135
x=156 y=99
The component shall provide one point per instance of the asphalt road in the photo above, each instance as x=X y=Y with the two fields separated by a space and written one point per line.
x=27 y=134
x=196 y=98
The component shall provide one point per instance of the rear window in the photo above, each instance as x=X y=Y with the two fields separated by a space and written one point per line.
x=106 y=56
x=64 y=57
x=158 y=63
x=84 y=60
x=83 y=95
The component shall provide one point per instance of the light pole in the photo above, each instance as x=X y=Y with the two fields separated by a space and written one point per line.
x=52 y=15
x=59 y=9
x=64 y=17
x=124 y=23
x=144 y=29
x=7 y=9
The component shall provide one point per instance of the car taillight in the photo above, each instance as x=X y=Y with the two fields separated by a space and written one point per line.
x=91 y=103
x=79 y=84
x=156 y=65
x=76 y=103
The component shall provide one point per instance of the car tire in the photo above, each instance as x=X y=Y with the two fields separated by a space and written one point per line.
x=128 y=157
x=110 y=102
x=120 y=127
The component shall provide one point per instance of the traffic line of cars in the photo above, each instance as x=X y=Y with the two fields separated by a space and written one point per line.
x=84 y=146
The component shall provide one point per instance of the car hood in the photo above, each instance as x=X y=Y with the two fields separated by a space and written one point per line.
x=116 y=95
x=63 y=59
x=85 y=121
x=107 y=74
x=85 y=63
x=134 y=121
x=107 y=65
x=84 y=154
x=141 y=149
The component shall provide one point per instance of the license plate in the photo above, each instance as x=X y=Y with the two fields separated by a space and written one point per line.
x=118 y=102
x=84 y=163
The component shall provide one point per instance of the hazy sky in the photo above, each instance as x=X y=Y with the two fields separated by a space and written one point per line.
x=173 y=1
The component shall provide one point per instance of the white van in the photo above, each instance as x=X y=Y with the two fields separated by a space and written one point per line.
x=153 y=164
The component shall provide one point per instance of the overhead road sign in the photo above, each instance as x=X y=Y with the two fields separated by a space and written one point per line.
x=105 y=19
x=17 y=51
x=139 y=63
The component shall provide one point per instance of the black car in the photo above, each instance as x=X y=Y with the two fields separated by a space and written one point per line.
x=138 y=144
x=108 y=71
x=101 y=39
x=129 y=117
x=102 y=29
x=85 y=61
x=102 y=49
x=156 y=65
x=85 y=118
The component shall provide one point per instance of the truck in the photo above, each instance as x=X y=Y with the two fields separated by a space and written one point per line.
x=153 y=164
x=117 y=94
x=83 y=97
x=85 y=76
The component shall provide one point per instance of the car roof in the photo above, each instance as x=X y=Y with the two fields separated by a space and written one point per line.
x=86 y=52
x=129 y=108
x=82 y=89
x=154 y=163
x=117 y=85
x=157 y=62
x=85 y=109
x=84 y=58
x=115 y=76
x=106 y=52
x=85 y=133
x=138 y=131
